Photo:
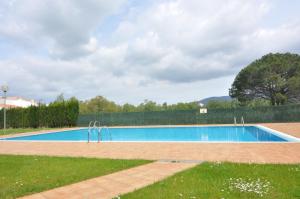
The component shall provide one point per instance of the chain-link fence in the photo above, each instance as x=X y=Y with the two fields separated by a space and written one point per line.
x=286 y=113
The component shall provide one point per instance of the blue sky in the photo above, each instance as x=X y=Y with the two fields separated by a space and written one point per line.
x=128 y=51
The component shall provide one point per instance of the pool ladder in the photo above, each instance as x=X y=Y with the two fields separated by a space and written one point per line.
x=242 y=121
x=99 y=128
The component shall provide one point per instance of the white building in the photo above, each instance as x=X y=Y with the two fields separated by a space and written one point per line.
x=14 y=102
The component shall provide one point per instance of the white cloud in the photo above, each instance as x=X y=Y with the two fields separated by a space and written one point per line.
x=65 y=28
x=166 y=51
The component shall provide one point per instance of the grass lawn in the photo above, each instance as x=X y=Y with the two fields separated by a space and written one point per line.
x=21 y=130
x=23 y=175
x=227 y=180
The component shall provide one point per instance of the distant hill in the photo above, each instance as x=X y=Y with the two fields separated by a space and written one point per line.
x=220 y=98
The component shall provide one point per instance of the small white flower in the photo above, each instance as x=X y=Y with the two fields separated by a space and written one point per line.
x=258 y=186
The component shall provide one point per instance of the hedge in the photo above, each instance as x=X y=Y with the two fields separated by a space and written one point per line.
x=56 y=114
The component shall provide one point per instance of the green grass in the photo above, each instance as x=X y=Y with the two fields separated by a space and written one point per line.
x=212 y=180
x=20 y=130
x=23 y=175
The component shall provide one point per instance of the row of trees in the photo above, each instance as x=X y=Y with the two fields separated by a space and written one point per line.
x=219 y=104
x=101 y=104
x=59 y=113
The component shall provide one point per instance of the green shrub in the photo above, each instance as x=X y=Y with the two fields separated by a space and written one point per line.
x=56 y=114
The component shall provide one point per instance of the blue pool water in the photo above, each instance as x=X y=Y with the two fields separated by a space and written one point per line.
x=212 y=133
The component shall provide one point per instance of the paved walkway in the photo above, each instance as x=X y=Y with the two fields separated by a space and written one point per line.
x=115 y=184
x=233 y=152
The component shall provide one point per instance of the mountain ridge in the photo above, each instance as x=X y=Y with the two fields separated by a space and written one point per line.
x=215 y=98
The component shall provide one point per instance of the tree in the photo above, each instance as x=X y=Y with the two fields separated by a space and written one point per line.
x=128 y=108
x=274 y=77
x=148 y=105
x=98 y=104
x=101 y=104
x=165 y=106
x=60 y=98
x=222 y=104
x=72 y=111
x=294 y=88
x=56 y=114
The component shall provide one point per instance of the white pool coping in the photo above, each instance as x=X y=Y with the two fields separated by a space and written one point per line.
x=285 y=136
x=288 y=138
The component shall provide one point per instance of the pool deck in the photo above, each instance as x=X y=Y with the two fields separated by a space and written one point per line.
x=233 y=152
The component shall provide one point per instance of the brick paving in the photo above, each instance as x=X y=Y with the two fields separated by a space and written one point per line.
x=115 y=184
x=289 y=128
x=38 y=132
x=234 y=152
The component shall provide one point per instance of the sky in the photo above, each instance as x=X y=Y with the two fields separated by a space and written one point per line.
x=128 y=51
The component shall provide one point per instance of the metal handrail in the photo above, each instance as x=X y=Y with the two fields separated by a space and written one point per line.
x=92 y=126
x=99 y=128
x=110 y=136
x=242 y=121
x=89 y=130
x=105 y=127
x=95 y=124
x=99 y=133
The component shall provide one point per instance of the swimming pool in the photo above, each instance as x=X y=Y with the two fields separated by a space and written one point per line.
x=167 y=134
